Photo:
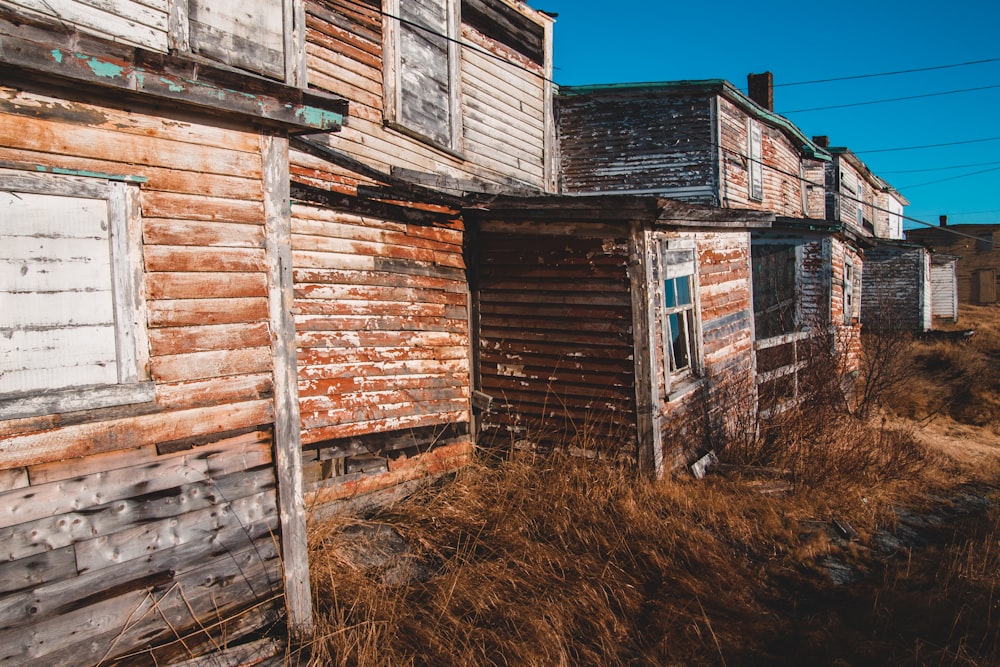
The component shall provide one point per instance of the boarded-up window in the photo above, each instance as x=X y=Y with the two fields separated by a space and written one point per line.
x=756 y=167
x=680 y=309
x=421 y=86
x=249 y=34
x=67 y=298
x=774 y=297
x=852 y=292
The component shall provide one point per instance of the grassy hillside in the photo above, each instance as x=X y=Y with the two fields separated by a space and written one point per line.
x=828 y=540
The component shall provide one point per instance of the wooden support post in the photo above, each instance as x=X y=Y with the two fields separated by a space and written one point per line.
x=650 y=454
x=287 y=433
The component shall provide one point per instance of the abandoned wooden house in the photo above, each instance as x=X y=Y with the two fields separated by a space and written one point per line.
x=706 y=142
x=977 y=248
x=618 y=325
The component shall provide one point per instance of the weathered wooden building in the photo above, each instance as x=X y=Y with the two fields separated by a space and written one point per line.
x=149 y=488
x=978 y=250
x=706 y=142
x=275 y=298
x=618 y=325
x=447 y=98
x=896 y=292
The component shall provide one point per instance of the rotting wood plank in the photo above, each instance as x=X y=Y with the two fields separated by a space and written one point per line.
x=183 y=258
x=189 y=312
x=180 y=232
x=201 y=338
x=407 y=421
x=190 y=285
x=199 y=393
x=211 y=364
x=93 y=438
x=101 y=521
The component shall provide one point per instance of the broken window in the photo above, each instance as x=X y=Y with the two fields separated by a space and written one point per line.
x=774 y=296
x=69 y=324
x=421 y=81
x=680 y=312
x=852 y=290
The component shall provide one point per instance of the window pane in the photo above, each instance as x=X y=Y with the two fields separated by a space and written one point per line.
x=670 y=293
x=680 y=358
x=683 y=290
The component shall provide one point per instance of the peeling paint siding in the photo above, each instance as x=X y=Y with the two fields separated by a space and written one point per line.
x=847 y=335
x=896 y=289
x=781 y=160
x=619 y=143
x=142 y=24
x=381 y=314
x=556 y=343
x=141 y=484
x=726 y=313
x=502 y=107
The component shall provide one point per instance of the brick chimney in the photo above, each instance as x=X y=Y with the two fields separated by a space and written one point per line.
x=943 y=220
x=760 y=88
x=822 y=141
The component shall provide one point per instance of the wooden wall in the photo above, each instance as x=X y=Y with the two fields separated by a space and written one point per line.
x=846 y=184
x=504 y=107
x=847 y=331
x=382 y=330
x=555 y=340
x=139 y=23
x=687 y=412
x=896 y=289
x=122 y=517
x=638 y=142
x=782 y=184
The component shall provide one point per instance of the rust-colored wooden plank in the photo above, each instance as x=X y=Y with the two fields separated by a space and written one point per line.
x=211 y=364
x=180 y=340
x=128 y=433
x=171 y=231
x=180 y=258
x=191 y=207
x=189 y=312
x=191 y=285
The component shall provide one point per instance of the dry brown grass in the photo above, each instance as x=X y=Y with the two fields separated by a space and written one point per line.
x=558 y=560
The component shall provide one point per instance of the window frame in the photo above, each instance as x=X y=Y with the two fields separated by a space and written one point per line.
x=674 y=377
x=851 y=292
x=393 y=72
x=755 y=161
x=126 y=281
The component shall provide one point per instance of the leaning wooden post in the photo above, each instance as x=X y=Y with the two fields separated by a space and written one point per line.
x=287 y=433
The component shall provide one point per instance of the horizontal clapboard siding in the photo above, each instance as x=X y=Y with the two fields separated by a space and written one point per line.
x=502 y=106
x=381 y=313
x=637 y=142
x=555 y=339
x=105 y=511
x=142 y=23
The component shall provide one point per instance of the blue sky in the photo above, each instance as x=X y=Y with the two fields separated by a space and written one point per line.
x=628 y=41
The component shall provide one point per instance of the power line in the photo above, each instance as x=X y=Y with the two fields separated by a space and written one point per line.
x=951 y=178
x=955 y=166
x=911 y=148
x=901 y=71
x=893 y=99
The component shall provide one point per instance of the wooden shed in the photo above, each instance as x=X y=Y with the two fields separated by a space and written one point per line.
x=944 y=287
x=612 y=325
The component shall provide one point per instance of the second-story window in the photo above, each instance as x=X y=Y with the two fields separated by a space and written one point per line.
x=421 y=79
x=756 y=180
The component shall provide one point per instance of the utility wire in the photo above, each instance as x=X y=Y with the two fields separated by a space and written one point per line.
x=952 y=178
x=911 y=148
x=901 y=71
x=955 y=166
x=893 y=99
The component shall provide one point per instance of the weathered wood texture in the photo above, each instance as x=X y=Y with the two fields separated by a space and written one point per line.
x=170 y=501
x=896 y=289
x=382 y=324
x=501 y=105
x=851 y=196
x=782 y=185
x=978 y=257
x=555 y=338
x=845 y=325
x=142 y=23
x=724 y=382
x=618 y=142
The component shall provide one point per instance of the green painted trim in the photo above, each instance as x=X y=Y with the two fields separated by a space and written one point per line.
x=90 y=174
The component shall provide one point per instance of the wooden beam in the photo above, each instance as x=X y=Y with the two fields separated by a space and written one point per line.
x=287 y=434
x=650 y=449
